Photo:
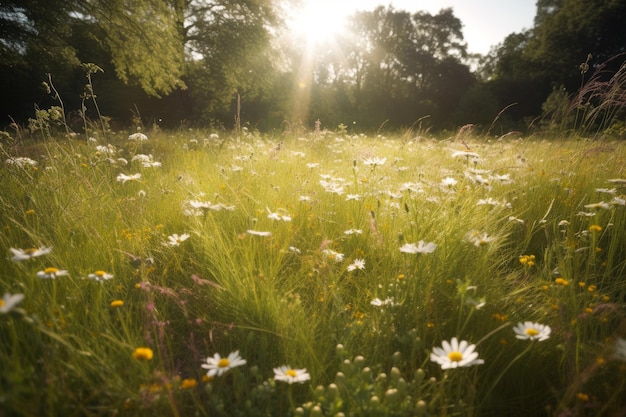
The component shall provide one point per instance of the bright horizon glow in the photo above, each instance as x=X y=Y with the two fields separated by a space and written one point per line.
x=320 y=21
x=485 y=22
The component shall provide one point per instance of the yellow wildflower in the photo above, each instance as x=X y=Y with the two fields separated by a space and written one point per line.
x=143 y=353
x=188 y=383
x=561 y=281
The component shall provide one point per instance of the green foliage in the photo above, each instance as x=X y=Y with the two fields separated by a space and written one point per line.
x=146 y=45
x=527 y=67
x=394 y=66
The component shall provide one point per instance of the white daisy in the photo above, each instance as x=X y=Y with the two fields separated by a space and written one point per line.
x=357 y=264
x=123 y=178
x=278 y=216
x=8 y=302
x=176 y=240
x=465 y=154
x=51 y=273
x=332 y=255
x=421 y=247
x=389 y=301
x=532 y=331
x=600 y=205
x=258 y=233
x=455 y=354
x=618 y=201
x=479 y=239
x=217 y=365
x=374 y=161
x=287 y=374
x=100 y=276
x=23 y=254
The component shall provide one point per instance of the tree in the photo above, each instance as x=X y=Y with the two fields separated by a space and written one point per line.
x=528 y=66
x=229 y=52
x=217 y=45
x=402 y=66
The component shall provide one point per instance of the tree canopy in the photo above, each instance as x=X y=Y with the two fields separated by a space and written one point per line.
x=211 y=62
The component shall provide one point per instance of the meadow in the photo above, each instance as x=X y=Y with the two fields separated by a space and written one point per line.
x=195 y=273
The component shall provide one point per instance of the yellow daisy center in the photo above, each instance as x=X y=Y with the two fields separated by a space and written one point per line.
x=291 y=373
x=223 y=363
x=100 y=273
x=1 y=303
x=531 y=332
x=50 y=270
x=30 y=251
x=455 y=356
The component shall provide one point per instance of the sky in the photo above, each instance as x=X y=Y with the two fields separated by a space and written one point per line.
x=485 y=22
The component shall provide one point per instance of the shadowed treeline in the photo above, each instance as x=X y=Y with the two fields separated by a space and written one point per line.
x=227 y=63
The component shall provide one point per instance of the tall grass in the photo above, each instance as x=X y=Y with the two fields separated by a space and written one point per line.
x=288 y=296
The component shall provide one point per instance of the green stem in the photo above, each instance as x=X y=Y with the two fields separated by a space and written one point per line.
x=495 y=382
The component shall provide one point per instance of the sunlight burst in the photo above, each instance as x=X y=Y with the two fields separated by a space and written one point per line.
x=319 y=21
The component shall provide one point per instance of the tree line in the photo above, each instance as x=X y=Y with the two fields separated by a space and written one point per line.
x=220 y=63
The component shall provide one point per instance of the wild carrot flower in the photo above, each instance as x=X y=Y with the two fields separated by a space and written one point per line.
x=357 y=264
x=455 y=354
x=146 y=161
x=23 y=254
x=100 y=276
x=51 y=273
x=448 y=182
x=532 y=331
x=217 y=365
x=421 y=247
x=287 y=374
x=176 y=240
x=137 y=137
x=143 y=354
x=21 y=162
x=8 y=302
